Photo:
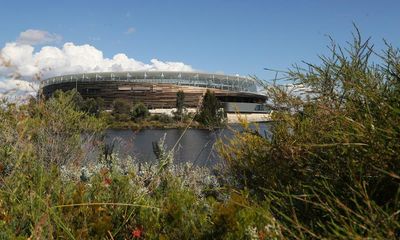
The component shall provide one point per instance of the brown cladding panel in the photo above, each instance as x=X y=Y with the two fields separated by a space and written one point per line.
x=154 y=96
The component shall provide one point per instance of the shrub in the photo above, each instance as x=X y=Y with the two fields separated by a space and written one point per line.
x=210 y=113
x=164 y=118
x=41 y=198
x=180 y=101
x=139 y=111
x=89 y=105
x=121 y=106
x=121 y=110
x=93 y=106
x=55 y=127
x=332 y=164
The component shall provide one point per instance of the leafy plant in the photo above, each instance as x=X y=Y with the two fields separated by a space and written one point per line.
x=121 y=106
x=139 y=111
x=180 y=101
x=210 y=113
x=331 y=167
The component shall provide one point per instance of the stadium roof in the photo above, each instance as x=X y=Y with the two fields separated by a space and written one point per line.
x=197 y=79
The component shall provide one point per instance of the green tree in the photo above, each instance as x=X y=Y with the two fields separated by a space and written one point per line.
x=100 y=103
x=210 y=113
x=121 y=106
x=180 y=102
x=121 y=109
x=76 y=98
x=139 y=111
x=93 y=106
x=90 y=106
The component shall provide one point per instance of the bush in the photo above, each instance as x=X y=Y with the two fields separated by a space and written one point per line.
x=139 y=111
x=164 y=118
x=210 y=113
x=121 y=110
x=89 y=105
x=332 y=166
x=54 y=129
x=93 y=106
x=121 y=106
x=44 y=198
x=180 y=101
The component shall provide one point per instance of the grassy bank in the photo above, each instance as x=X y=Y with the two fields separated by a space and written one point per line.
x=154 y=124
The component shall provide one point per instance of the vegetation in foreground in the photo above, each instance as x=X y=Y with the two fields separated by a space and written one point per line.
x=332 y=166
x=330 y=169
x=50 y=190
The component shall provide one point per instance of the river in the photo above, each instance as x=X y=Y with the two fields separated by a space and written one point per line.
x=195 y=145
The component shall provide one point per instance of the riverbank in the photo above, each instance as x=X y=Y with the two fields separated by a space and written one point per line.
x=248 y=117
x=146 y=124
x=231 y=118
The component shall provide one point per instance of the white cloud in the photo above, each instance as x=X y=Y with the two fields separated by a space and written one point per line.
x=15 y=89
x=130 y=30
x=21 y=65
x=21 y=85
x=35 y=36
x=169 y=66
x=22 y=60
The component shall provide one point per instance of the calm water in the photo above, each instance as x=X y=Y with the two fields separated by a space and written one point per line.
x=196 y=145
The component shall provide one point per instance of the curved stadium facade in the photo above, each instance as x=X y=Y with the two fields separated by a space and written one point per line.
x=158 y=89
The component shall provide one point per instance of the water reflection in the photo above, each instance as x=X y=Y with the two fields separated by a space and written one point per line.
x=196 y=145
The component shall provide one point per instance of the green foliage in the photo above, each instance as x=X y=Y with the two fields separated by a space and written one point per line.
x=210 y=113
x=139 y=111
x=90 y=105
x=121 y=106
x=332 y=165
x=93 y=106
x=49 y=193
x=8 y=136
x=54 y=128
x=121 y=109
x=163 y=118
x=180 y=101
x=240 y=218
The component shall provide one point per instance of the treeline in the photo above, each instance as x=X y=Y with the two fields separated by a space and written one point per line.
x=123 y=112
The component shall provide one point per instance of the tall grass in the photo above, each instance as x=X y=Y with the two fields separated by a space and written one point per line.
x=331 y=169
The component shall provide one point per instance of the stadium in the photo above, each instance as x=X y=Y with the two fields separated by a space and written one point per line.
x=158 y=89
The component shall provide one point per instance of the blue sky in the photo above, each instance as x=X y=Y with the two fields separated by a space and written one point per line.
x=234 y=37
